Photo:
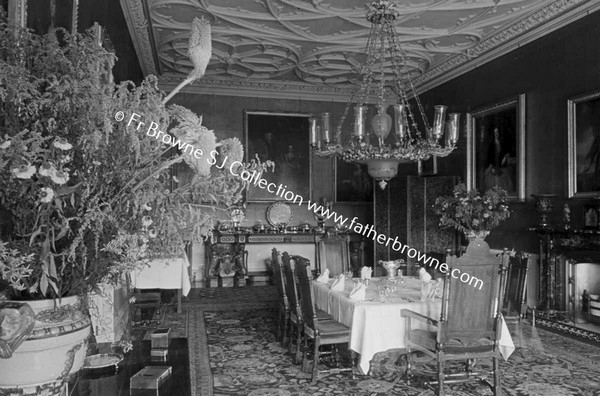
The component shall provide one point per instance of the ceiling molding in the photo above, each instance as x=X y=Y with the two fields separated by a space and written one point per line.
x=280 y=49
x=508 y=40
x=271 y=89
x=137 y=23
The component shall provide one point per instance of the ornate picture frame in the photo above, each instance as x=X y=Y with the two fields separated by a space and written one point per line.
x=583 y=114
x=284 y=139
x=496 y=147
x=353 y=185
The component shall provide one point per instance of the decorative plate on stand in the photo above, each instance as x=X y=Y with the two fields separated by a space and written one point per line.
x=279 y=214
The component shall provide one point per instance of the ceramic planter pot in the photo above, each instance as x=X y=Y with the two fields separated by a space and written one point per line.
x=55 y=348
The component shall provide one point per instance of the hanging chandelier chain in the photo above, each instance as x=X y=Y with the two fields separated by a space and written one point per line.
x=410 y=83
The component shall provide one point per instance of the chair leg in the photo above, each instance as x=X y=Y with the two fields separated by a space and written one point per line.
x=315 y=368
x=284 y=338
x=280 y=324
x=497 y=387
x=298 y=354
x=305 y=364
x=291 y=338
x=408 y=365
x=441 y=376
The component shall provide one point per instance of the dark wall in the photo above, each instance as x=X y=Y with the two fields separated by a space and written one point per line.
x=550 y=70
x=107 y=13
x=225 y=115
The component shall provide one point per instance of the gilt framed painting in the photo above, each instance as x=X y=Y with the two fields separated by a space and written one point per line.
x=584 y=145
x=284 y=139
x=496 y=147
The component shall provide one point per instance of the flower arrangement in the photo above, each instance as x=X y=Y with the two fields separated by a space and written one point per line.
x=468 y=211
x=85 y=199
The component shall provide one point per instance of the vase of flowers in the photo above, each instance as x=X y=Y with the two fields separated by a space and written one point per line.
x=86 y=194
x=472 y=213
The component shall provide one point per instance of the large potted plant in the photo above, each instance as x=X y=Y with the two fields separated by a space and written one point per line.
x=86 y=196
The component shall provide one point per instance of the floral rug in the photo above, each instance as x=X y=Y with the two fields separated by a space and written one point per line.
x=245 y=359
x=233 y=351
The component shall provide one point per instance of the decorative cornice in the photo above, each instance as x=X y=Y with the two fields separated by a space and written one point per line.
x=140 y=34
x=554 y=16
x=272 y=89
x=276 y=82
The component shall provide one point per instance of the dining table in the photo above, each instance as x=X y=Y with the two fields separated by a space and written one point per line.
x=375 y=323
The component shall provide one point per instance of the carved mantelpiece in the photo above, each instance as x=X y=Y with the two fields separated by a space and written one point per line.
x=560 y=252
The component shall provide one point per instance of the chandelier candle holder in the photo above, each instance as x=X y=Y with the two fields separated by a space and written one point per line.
x=384 y=73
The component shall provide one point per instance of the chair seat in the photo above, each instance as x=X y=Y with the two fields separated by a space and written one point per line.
x=427 y=339
x=332 y=328
x=322 y=315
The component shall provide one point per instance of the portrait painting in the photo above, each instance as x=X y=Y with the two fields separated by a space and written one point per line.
x=584 y=145
x=284 y=139
x=352 y=183
x=496 y=153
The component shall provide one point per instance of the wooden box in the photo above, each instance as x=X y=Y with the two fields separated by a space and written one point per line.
x=160 y=338
x=150 y=377
x=159 y=355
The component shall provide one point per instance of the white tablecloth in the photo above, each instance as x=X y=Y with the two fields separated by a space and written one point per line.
x=169 y=273
x=378 y=326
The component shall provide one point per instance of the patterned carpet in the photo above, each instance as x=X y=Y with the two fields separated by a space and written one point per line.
x=233 y=352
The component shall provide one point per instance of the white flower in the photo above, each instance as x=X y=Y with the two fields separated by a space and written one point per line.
x=5 y=144
x=62 y=144
x=60 y=177
x=24 y=171
x=47 y=169
x=146 y=221
x=46 y=194
x=152 y=233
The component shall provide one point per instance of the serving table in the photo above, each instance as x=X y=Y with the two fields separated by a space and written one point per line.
x=377 y=326
x=167 y=273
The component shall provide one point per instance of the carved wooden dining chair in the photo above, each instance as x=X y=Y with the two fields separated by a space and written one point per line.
x=295 y=321
x=320 y=332
x=469 y=325
x=334 y=254
x=514 y=307
x=283 y=303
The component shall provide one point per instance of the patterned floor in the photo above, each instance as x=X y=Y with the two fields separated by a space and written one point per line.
x=233 y=352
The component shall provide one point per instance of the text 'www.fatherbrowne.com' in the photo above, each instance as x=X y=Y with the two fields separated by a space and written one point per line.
x=255 y=178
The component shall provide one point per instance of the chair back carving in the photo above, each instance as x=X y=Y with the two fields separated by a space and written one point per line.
x=304 y=274
x=469 y=309
x=334 y=253
x=291 y=284
x=278 y=276
x=514 y=302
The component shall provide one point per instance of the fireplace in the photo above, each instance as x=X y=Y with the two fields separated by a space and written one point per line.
x=569 y=264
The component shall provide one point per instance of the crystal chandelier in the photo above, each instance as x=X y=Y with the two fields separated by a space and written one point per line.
x=412 y=142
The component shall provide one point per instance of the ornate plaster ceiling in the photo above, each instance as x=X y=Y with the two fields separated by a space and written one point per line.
x=314 y=47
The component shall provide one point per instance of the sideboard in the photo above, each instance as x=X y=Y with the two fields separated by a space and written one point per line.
x=245 y=254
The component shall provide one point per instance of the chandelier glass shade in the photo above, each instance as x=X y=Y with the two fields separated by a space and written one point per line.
x=384 y=75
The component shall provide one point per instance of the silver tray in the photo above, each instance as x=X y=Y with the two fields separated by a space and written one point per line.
x=102 y=360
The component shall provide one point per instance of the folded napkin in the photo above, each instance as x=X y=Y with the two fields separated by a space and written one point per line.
x=424 y=275
x=359 y=292
x=324 y=277
x=339 y=283
x=365 y=272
